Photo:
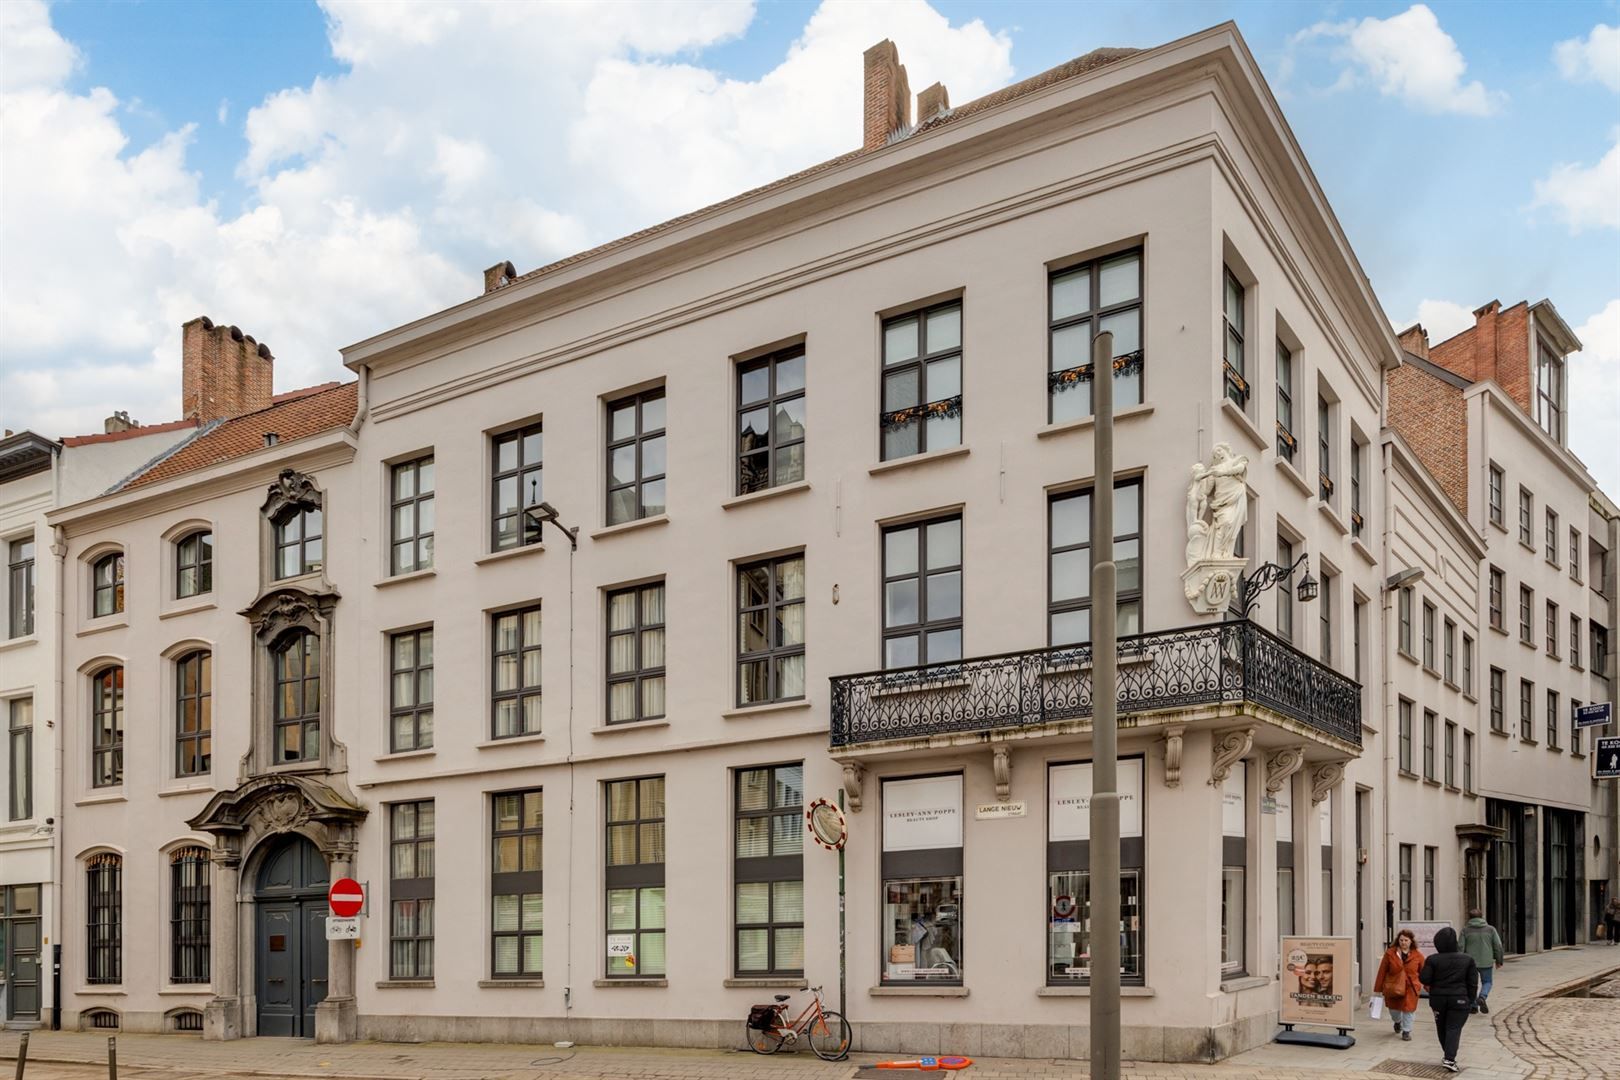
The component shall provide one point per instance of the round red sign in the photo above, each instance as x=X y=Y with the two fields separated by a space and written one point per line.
x=345 y=897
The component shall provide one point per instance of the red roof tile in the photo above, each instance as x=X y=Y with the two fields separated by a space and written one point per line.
x=295 y=415
x=131 y=433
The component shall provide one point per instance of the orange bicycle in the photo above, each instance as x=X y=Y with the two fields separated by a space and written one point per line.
x=828 y=1033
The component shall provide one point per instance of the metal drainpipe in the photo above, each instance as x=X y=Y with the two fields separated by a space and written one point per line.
x=59 y=551
x=1387 y=776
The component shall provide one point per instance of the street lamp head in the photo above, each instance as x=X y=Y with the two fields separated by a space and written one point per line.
x=1307 y=588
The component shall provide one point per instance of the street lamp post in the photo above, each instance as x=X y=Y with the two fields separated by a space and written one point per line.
x=1250 y=586
x=1104 y=848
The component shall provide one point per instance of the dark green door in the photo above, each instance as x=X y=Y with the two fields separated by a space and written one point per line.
x=290 y=899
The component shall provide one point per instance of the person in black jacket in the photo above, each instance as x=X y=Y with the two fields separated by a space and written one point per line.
x=1452 y=979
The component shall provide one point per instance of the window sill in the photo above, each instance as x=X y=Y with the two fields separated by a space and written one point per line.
x=1404 y=655
x=1453 y=788
x=19 y=642
x=179 y=609
x=918 y=459
x=1245 y=425
x=1361 y=549
x=1528 y=742
x=918 y=991
x=501 y=556
x=1085 y=991
x=1526 y=546
x=747 y=712
x=630 y=526
x=628 y=725
x=739 y=501
x=767 y=984
x=1408 y=773
x=511 y=740
x=97 y=800
x=1431 y=781
x=102 y=991
x=1244 y=982
x=619 y=984
x=1293 y=476
x=1528 y=644
x=1467 y=696
x=187 y=990
x=510 y=984
x=1086 y=423
x=1503 y=734
x=1327 y=511
x=406 y=984
x=1555 y=566
x=186 y=789
x=103 y=624
x=414 y=575
x=1500 y=630
x=405 y=755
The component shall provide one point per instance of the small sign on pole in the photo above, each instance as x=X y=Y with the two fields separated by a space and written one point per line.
x=1597 y=714
x=342 y=928
x=1606 y=758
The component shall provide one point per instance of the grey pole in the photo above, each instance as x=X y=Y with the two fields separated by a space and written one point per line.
x=1104 y=846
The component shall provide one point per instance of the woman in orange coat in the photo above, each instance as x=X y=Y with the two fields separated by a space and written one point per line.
x=1398 y=981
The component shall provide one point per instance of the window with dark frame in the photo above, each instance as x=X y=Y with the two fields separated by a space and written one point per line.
x=1574 y=729
x=1068 y=877
x=20 y=586
x=1404 y=611
x=189 y=898
x=517 y=482
x=194 y=564
x=1495 y=495
x=104 y=955
x=1233 y=370
x=636 y=457
x=300 y=546
x=1234 y=872
x=1527 y=722
x=1552 y=629
x=1428 y=635
x=1552 y=536
x=1468 y=762
x=515 y=694
x=1287 y=441
x=1600 y=647
x=920 y=933
x=922 y=381
x=1405 y=714
x=1405 y=900
x=296 y=661
x=771 y=416
x=1357 y=522
x=1526 y=510
x=20 y=753
x=770 y=630
x=193 y=713
x=922 y=592
x=1448 y=651
x=1325 y=616
x=1575 y=641
x=107 y=728
x=1550 y=390
x=411 y=515
x=410 y=690
x=1430 y=856
x=1451 y=753
x=1468 y=665
x=107 y=584
x=1069 y=532
x=769 y=871
x=1498 y=700
x=517 y=884
x=1430 y=722
x=1498 y=586
x=1324 y=449
x=1084 y=301
x=1554 y=735
x=1527 y=604
x=1574 y=553
x=1358 y=615
x=635 y=878
x=635 y=653
x=411 y=876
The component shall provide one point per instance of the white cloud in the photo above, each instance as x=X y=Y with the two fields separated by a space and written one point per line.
x=460 y=134
x=1407 y=56
x=1594 y=397
x=223 y=113
x=1441 y=318
x=1584 y=196
x=1594 y=58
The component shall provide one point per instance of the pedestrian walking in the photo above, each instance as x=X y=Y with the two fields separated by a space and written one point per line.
x=1453 y=981
x=1481 y=941
x=1398 y=981
x=1611 y=916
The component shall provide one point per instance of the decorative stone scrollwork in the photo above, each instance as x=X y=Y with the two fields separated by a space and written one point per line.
x=1229 y=747
x=854 y=775
x=1001 y=765
x=1172 y=754
x=1281 y=765
x=1324 y=778
x=284 y=812
x=291 y=489
x=1217 y=508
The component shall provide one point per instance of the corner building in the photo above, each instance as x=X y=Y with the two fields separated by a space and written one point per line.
x=828 y=448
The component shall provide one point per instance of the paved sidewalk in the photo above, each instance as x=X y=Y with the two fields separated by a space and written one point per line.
x=1560 y=1039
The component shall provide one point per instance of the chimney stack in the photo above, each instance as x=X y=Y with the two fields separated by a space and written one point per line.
x=888 y=95
x=932 y=102
x=118 y=421
x=224 y=371
x=499 y=276
x=1415 y=340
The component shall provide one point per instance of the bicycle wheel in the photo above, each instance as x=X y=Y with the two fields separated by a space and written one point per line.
x=830 y=1037
x=768 y=1041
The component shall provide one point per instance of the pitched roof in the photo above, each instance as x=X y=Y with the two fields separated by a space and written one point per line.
x=127 y=433
x=1080 y=65
x=294 y=415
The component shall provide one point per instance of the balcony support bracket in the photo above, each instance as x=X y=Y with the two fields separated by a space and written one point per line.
x=1282 y=765
x=1230 y=745
x=1001 y=765
x=1324 y=778
x=854 y=776
x=1172 y=754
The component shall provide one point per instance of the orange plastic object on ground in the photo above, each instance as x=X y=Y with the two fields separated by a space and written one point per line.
x=927 y=1064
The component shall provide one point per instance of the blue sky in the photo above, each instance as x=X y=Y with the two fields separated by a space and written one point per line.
x=290 y=168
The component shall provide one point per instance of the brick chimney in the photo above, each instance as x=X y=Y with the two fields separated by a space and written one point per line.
x=888 y=95
x=224 y=371
x=118 y=421
x=499 y=276
x=1415 y=340
x=932 y=101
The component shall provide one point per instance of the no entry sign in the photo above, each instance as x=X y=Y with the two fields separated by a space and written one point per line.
x=345 y=897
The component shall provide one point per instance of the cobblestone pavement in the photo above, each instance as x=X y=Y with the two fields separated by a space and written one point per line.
x=1527 y=1035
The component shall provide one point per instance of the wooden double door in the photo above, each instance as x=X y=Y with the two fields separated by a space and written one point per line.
x=290 y=935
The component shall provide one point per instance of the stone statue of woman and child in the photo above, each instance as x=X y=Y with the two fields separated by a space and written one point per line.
x=1217 y=509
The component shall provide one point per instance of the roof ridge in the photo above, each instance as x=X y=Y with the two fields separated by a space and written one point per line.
x=164 y=455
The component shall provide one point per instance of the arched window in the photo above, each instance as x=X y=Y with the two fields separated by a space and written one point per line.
x=107 y=728
x=108 y=579
x=193 y=713
x=298 y=541
x=105 y=886
x=297 y=665
x=194 y=564
x=188 y=915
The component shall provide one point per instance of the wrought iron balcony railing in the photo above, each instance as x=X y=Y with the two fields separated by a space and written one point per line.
x=1221 y=663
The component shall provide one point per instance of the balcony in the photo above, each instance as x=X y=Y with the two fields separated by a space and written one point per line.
x=1220 y=664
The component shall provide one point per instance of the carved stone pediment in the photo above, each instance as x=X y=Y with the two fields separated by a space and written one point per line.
x=281 y=610
x=278 y=803
x=292 y=489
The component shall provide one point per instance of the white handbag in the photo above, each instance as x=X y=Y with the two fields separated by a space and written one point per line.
x=1375 y=1007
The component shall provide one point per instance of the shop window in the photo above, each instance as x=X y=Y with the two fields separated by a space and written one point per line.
x=922 y=881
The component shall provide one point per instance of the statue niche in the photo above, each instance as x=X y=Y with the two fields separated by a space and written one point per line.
x=1217 y=509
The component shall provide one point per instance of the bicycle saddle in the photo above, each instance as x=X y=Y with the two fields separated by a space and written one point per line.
x=783 y=997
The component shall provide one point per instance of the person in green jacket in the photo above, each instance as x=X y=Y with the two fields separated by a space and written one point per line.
x=1481 y=941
